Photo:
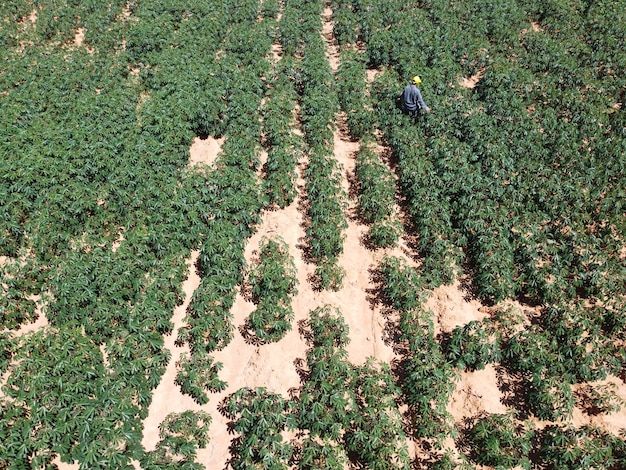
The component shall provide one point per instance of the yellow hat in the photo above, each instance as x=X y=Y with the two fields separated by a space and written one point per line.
x=417 y=80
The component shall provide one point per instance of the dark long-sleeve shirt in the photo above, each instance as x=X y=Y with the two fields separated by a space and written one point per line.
x=412 y=98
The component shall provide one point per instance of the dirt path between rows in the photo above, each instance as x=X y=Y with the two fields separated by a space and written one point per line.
x=167 y=397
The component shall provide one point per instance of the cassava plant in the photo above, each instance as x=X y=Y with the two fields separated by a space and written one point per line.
x=197 y=375
x=273 y=282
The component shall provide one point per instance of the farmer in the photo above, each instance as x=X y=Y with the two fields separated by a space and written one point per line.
x=412 y=100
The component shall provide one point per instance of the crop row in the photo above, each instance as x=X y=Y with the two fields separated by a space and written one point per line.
x=240 y=200
x=283 y=145
x=346 y=409
x=318 y=108
x=273 y=282
x=377 y=184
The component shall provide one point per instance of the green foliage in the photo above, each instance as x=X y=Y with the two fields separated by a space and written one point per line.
x=197 y=375
x=401 y=284
x=259 y=418
x=328 y=328
x=15 y=309
x=274 y=273
x=597 y=399
x=473 y=346
x=498 y=441
x=540 y=107
x=353 y=98
x=342 y=404
x=329 y=275
x=181 y=434
x=325 y=197
x=75 y=407
x=568 y=348
x=325 y=400
x=283 y=146
x=375 y=435
x=428 y=386
x=377 y=197
x=449 y=461
x=6 y=351
x=273 y=282
x=324 y=455
x=568 y=448
x=99 y=211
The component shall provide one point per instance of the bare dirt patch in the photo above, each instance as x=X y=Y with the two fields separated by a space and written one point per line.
x=204 y=151
x=371 y=75
x=277 y=52
x=452 y=307
x=472 y=81
x=475 y=393
x=366 y=321
x=79 y=37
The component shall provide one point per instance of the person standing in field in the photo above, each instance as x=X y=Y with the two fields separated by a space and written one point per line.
x=412 y=100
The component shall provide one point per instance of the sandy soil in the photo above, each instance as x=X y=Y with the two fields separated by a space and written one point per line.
x=475 y=393
x=80 y=37
x=452 y=307
x=204 y=151
x=472 y=81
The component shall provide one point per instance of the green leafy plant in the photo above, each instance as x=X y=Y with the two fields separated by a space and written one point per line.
x=273 y=282
x=473 y=346
x=499 y=441
x=197 y=375
x=375 y=435
x=377 y=197
x=401 y=284
x=599 y=399
x=578 y=448
x=324 y=455
x=181 y=434
x=259 y=417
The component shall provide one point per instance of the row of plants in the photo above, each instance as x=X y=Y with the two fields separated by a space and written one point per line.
x=376 y=181
x=273 y=282
x=376 y=200
x=354 y=99
x=345 y=410
x=501 y=441
x=232 y=220
x=428 y=377
x=259 y=417
x=538 y=109
x=361 y=414
x=282 y=144
x=318 y=107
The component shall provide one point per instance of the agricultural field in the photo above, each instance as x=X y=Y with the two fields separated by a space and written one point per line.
x=223 y=246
